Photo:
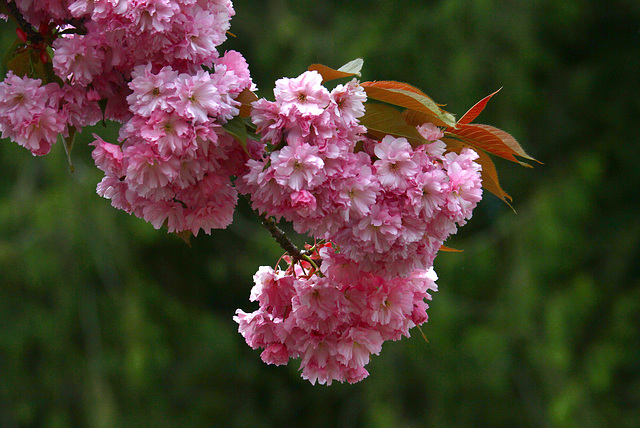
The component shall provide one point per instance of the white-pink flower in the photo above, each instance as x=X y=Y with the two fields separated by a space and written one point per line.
x=298 y=167
x=21 y=98
x=78 y=58
x=305 y=94
x=151 y=91
x=348 y=102
x=355 y=346
x=196 y=97
x=394 y=165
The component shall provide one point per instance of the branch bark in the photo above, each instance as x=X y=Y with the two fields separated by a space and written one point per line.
x=281 y=238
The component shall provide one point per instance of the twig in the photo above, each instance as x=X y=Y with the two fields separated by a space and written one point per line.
x=15 y=14
x=281 y=238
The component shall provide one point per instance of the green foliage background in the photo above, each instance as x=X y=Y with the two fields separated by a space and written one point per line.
x=106 y=322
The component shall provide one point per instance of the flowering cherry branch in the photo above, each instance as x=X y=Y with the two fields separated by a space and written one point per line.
x=377 y=173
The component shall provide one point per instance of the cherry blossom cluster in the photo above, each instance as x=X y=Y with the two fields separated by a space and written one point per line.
x=175 y=163
x=335 y=319
x=385 y=208
x=33 y=114
x=146 y=61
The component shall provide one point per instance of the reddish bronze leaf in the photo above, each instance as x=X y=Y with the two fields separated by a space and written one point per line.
x=490 y=139
x=407 y=96
x=185 y=235
x=246 y=98
x=476 y=109
x=450 y=250
x=390 y=84
x=417 y=118
x=351 y=68
x=508 y=140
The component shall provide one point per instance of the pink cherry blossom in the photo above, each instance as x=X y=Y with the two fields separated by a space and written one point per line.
x=151 y=91
x=394 y=164
x=304 y=94
x=78 y=58
x=297 y=167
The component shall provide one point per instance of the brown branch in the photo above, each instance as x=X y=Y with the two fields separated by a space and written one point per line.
x=282 y=239
x=14 y=13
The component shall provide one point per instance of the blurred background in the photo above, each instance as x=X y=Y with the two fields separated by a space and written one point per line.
x=106 y=322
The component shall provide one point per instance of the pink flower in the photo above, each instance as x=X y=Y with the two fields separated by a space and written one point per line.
x=257 y=328
x=465 y=187
x=276 y=354
x=273 y=289
x=152 y=15
x=428 y=194
x=349 y=101
x=108 y=157
x=160 y=212
x=305 y=94
x=361 y=192
x=297 y=167
x=21 y=98
x=151 y=91
x=171 y=133
x=75 y=105
x=430 y=131
x=197 y=97
x=147 y=171
x=314 y=304
x=323 y=374
x=200 y=31
x=394 y=166
x=389 y=304
x=266 y=116
x=39 y=133
x=356 y=346
x=217 y=214
x=78 y=58
x=303 y=202
x=379 y=229
x=235 y=65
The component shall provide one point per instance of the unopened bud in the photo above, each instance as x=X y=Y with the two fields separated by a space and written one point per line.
x=22 y=35
x=44 y=56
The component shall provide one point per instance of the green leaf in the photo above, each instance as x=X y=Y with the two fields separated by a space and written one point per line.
x=238 y=129
x=10 y=54
x=381 y=120
x=68 y=145
x=353 y=67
